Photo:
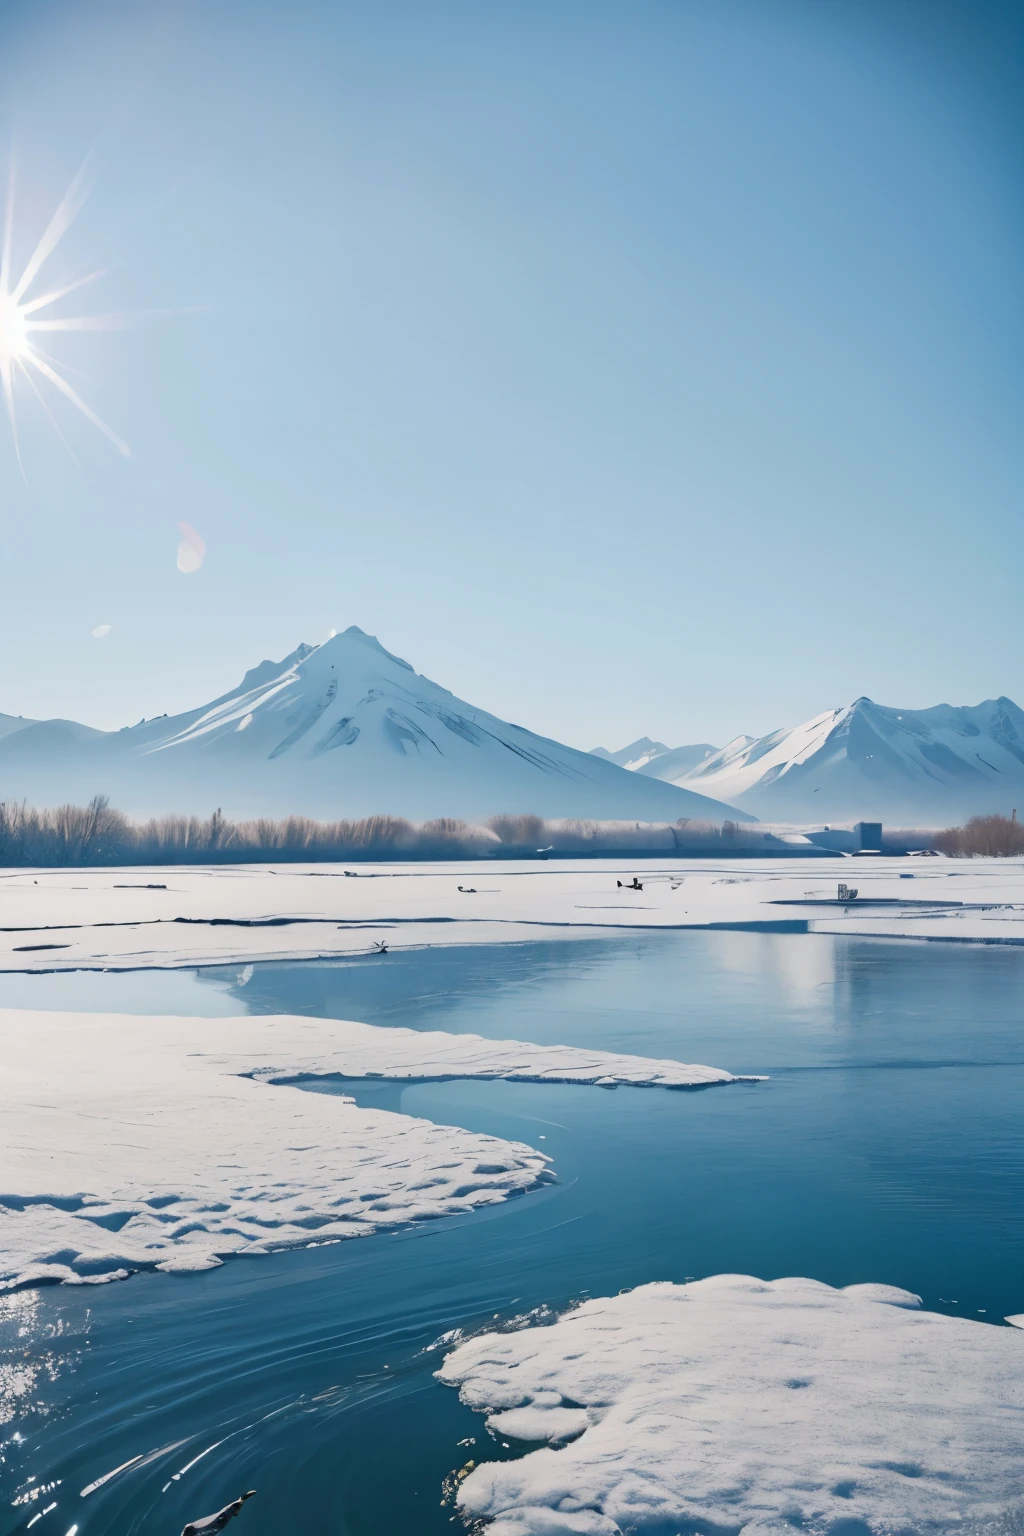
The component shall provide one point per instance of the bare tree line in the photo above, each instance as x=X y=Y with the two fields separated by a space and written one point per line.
x=100 y=834
x=992 y=837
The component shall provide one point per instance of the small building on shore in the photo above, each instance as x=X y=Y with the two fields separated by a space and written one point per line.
x=868 y=836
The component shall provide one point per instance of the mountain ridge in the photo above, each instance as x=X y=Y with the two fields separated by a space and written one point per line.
x=343 y=729
x=870 y=761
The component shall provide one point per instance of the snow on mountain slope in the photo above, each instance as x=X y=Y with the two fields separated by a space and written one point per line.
x=657 y=761
x=869 y=761
x=634 y=756
x=675 y=761
x=342 y=729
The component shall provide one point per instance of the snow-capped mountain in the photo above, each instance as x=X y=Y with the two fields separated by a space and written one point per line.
x=656 y=760
x=634 y=756
x=866 y=761
x=343 y=729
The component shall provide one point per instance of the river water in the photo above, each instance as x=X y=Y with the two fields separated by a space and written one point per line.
x=888 y=1145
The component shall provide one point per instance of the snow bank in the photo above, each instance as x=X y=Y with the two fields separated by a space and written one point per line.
x=734 y=1402
x=140 y=1143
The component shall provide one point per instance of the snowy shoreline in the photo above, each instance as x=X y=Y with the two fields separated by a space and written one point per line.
x=173 y=1143
x=156 y=918
x=733 y=1402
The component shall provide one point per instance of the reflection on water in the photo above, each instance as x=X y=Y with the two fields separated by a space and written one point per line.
x=36 y=1349
x=799 y=970
x=888 y=1145
x=21 y=1366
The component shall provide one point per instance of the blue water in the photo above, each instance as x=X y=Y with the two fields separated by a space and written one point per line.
x=888 y=1145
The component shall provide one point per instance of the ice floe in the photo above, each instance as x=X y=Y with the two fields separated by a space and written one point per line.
x=171 y=1143
x=734 y=1403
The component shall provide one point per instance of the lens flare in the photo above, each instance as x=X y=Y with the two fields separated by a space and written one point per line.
x=20 y=357
x=191 y=550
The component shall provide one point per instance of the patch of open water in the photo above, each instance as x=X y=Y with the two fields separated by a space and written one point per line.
x=888 y=1146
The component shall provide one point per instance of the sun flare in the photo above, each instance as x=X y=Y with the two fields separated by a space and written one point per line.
x=14 y=344
x=21 y=357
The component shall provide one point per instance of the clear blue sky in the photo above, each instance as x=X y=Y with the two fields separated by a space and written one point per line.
x=634 y=367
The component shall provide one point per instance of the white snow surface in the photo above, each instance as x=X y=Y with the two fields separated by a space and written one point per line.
x=155 y=917
x=172 y=1143
x=729 y=1403
x=867 y=761
x=343 y=729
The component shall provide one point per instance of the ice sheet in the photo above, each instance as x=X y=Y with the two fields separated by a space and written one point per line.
x=169 y=1143
x=165 y=917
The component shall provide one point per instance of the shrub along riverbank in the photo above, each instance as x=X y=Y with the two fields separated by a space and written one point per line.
x=993 y=837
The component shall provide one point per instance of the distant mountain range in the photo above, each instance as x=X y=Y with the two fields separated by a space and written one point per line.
x=673 y=762
x=864 y=761
x=344 y=729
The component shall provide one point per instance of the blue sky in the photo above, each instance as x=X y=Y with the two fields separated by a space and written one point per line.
x=626 y=367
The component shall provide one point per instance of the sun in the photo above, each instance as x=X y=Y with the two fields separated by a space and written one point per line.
x=22 y=319
x=14 y=344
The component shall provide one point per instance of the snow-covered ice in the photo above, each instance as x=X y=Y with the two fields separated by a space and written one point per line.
x=124 y=919
x=366 y=1050
x=171 y=1143
x=731 y=1402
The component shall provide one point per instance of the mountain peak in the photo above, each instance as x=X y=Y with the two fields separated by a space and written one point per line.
x=342 y=729
x=639 y=751
x=354 y=633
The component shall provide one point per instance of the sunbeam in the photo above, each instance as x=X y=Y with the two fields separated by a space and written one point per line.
x=18 y=356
